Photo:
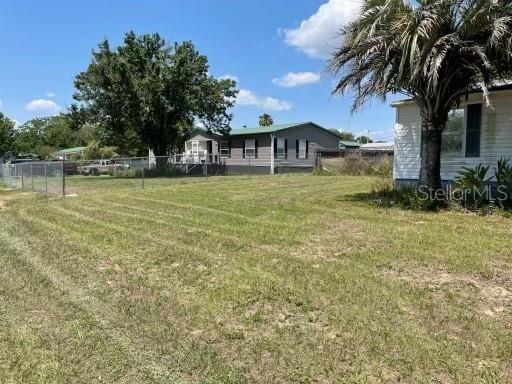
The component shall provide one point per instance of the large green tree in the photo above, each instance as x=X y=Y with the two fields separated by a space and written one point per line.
x=43 y=136
x=434 y=51
x=146 y=93
x=6 y=135
x=343 y=135
x=364 y=139
x=266 y=120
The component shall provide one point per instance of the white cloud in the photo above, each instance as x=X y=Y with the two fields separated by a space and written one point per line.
x=249 y=98
x=43 y=105
x=319 y=34
x=51 y=95
x=228 y=77
x=296 y=79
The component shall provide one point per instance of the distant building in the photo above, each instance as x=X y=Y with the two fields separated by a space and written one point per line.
x=263 y=149
x=66 y=154
x=384 y=147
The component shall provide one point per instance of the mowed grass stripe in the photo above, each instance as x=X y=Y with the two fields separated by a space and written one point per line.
x=347 y=302
x=178 y=228
x=242 y=222
x=217 y=230
x=60 y=329
x=161 y=364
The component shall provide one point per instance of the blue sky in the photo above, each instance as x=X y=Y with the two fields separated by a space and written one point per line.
x=276 y=50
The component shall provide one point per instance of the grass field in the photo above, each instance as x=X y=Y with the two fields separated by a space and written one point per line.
x=284 y=279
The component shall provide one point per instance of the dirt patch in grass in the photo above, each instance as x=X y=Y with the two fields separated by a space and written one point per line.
x=494 y=293
x=337 y=239
x=7 y=196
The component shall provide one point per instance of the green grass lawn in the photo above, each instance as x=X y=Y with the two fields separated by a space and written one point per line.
x=284 y=279
x=78 y=185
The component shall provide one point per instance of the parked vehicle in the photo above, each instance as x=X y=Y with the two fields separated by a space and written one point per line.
x=69 y=168
x=102 y=167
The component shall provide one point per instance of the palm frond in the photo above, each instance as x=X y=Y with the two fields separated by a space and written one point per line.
x=436 y=50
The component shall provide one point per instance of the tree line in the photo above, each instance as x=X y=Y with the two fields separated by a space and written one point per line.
x=144 y=94
x=42 y=137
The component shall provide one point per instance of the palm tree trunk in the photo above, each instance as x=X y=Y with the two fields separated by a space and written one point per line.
x=430 y=172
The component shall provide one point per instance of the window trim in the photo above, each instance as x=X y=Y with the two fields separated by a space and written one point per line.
x=283 y=154
x=465 y=154
x=223 y=154
x=462 y=152
x=305 y=153
x=246 y=147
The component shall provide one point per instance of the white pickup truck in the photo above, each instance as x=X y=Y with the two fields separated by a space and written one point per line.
x=102 y=167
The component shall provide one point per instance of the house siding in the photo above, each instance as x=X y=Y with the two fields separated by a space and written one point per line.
x=317 y=140
x=495 y=142
x=206 y=137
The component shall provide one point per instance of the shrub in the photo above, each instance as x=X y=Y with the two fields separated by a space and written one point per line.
x=473 y=184
x=385 y=193
x=503 y=174
x=323 y=172
x=95 y=151
x=384 y=166
x=354 y=164
x=159 y=172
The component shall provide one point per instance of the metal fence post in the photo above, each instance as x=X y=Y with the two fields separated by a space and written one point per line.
x=22 y=177
x=46 y=178
x=63 y=179
x=143 y=177
x=206 y=168
x=32 y=175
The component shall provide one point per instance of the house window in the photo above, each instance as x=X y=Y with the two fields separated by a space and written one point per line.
x=453 y=134
x=302 y=149
x=250 y=148
x=473 y=129
x=225 y=150
x=281 y=148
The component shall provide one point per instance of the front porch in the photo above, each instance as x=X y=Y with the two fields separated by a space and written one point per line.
x=250 y=154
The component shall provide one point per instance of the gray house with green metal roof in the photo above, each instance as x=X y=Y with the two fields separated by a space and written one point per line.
x=265 y=148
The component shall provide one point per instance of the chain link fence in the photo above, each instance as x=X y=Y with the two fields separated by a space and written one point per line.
x=38 y=176
x=67 y=178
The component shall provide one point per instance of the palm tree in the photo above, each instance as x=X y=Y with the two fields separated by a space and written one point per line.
x=434 y=51
x=266 y=120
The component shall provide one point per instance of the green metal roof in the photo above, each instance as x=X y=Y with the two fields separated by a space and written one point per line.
x=350 y=143
x=71 y=150
x=268 y=129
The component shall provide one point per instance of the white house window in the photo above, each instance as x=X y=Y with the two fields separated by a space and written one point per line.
x=250 y=148
x=453 y=134
x=224 y=149
x=302 y=149
x=281 y=151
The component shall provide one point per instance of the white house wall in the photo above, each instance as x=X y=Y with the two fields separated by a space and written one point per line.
x=495 y=140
